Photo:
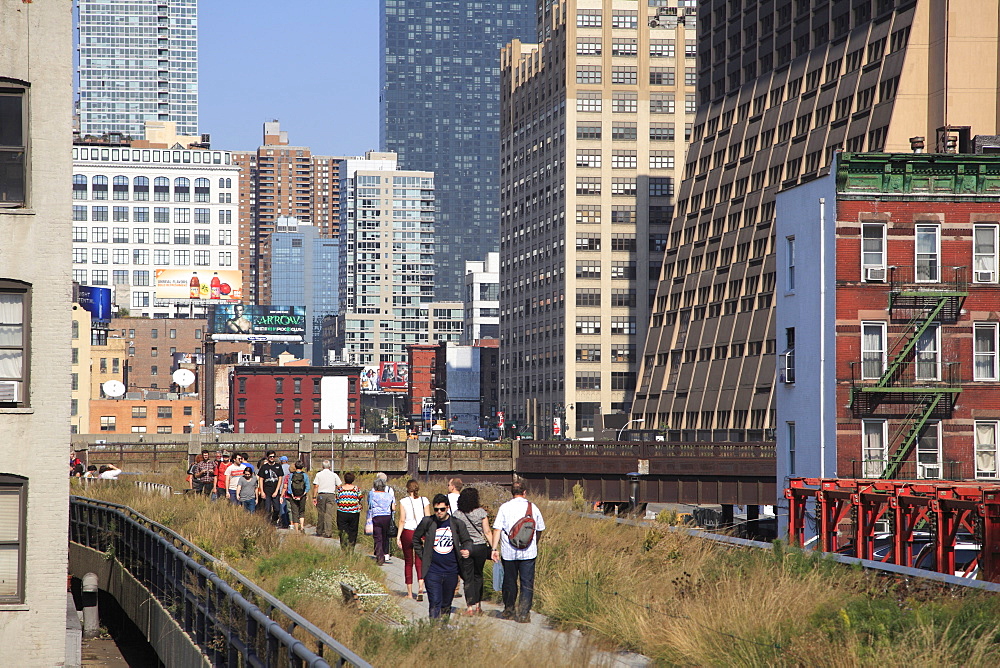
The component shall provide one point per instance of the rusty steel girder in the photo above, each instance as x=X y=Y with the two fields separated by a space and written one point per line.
x=944 y=508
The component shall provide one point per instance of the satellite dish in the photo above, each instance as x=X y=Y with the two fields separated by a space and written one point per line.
x=113 y=388
x=183 y=377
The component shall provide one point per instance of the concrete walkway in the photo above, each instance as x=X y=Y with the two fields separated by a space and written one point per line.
x=564 y=648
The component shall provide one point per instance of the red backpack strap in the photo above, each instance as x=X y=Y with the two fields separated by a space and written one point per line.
x=528 y=514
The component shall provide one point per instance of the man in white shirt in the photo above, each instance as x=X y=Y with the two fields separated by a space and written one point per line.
x=518 y=564
x=109 y=472
x=455 y=486
x=233 y=474
x=325 y=485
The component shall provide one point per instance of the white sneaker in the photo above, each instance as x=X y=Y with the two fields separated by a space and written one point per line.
x=388 y=559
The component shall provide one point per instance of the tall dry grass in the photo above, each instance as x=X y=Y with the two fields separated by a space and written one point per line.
x=685 y=601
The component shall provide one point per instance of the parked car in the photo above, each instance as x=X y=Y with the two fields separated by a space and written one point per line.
x=883 y=545
x=965 y=555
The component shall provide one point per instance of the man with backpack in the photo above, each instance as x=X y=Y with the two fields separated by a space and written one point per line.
x=519 y=525
x=296 y=487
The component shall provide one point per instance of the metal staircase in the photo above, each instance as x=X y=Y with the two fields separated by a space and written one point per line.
x=902 y=392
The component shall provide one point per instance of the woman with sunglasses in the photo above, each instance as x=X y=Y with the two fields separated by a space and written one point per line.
x=440 y=540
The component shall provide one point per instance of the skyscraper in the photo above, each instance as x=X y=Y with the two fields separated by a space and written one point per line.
x=782 y=87
x=137 y=63
x=593 y=129
x=440 y=112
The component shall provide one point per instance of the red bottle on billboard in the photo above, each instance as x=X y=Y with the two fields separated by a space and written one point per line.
x=216 y=286
x=195 y=286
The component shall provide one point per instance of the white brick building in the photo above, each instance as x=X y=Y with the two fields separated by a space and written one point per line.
x=35 y=120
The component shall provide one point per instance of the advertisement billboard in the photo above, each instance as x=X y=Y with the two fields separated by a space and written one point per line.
x=224 y=285
x=97 y=301
x=256 y=320
x=369 y=379
x=393 y=376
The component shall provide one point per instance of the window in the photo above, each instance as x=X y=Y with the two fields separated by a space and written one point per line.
x=120 y=187
x=929 y=452
x=984 y=241
x=986 y=449
x=662 y=186
x=138 y=411
x=165 y=429
x=791 y=447
x=297 y=385
x=787 y=369
x=279 y=385
x=661 y=76
x=588 y=101
x=873 y=452
x=79 y=186
x=627 y=76
x=872 y=350
x=588 y=269
x=790 y=263
x=182 y=190
x=623 y=131
x=164 y=411
x=588 y=324
x=588 y=157
x=985 y=352
x=99 y=187
x=278 y=426
x=623 y=324
x=588 y=130
x=661 y=103
x=13 y=343
x=241 y=407
x=873 y=252
x=279 y=406
x=588 y=74
x=588 y=380
x=928 y=253
x=588 y=46
x=588 y=353
x=161 y=189
x=626 y=19
x=140 y=189
x=928 y=354
x=107 y=423
x=588 y=18
x=661 y=131
x=624 y=103
x=13 y=504
x=661 y=159
x=297 y=406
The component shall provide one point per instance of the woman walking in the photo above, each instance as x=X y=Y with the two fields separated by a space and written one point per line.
x=379 y=512
x=348 y=512
x=412 y=509
x=471 y=512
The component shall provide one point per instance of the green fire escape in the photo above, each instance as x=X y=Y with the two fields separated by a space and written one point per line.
x=903 y=392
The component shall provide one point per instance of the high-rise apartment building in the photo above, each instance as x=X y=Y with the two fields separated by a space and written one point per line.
x=482 y=299
x=304 y=272
x=280 y=180
x=138 y=62
x=783 y=86
x=440 y=112
x=592 y=138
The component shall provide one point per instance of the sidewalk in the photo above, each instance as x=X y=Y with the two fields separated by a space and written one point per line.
x=572 y=647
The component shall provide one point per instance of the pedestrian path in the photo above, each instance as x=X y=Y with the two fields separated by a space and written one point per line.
x=572 y=647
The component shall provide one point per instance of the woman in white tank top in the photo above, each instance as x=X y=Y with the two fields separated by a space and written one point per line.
x=412 y=509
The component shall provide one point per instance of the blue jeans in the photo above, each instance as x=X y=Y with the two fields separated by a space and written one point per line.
x=514 y=570
x=249 y=505
x=440 y=589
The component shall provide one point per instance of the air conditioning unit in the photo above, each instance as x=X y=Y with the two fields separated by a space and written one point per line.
x=875 y=274
x=9 y=391
x=985 y=276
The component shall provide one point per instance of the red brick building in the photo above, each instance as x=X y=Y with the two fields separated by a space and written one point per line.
x=898 y=376
x=422 y=360
x=295 y=399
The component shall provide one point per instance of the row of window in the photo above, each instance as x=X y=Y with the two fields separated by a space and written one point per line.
x=140 y=235
x=591 y=324
x=626 y=47
x=279 y=425
x=140 y=188
x=629 y=76
x=927 y=352
x=140 y=214
x=927 y=252
x=297 y=384
x=161 y=258
x=628 y=131
x=151 y=155
x=625 y=186
x=624 y=159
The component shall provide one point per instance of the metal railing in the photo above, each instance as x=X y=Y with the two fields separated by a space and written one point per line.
x=908 y=470
x=233 y=621
x=928 y=277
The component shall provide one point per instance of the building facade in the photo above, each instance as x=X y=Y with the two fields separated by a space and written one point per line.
x=295 y=399
x=152 y=413
x=888 y=362
x=138 y=62
x=35 y=307
x=439 y=111
x=305 y=271
x=482 y=299
x=140 y=210
x=782 y=87
x=593 y=131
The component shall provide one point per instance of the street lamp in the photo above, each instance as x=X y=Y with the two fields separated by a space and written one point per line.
x=435 y=428
x=622 y=430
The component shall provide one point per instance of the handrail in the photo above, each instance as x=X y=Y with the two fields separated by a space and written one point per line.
x=231 y=627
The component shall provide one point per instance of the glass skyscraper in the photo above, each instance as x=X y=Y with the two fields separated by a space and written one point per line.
x=304 y=268
x=137 y=63
x=440 y=112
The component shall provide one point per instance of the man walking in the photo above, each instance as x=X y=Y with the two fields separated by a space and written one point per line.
x=271 y=475
x=326 y=483
x=518 y=563
x=203 y=474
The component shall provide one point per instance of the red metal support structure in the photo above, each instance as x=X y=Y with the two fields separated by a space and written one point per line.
x=946 y=509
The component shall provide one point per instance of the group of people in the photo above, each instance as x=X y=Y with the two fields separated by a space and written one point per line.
x=443 y=540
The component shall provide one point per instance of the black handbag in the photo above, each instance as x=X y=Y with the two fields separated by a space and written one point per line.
x=393 y=529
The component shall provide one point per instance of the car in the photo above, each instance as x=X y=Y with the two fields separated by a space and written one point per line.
x=883 y=545
x=965 y=555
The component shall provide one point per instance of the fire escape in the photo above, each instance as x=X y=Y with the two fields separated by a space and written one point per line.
x=913 y=390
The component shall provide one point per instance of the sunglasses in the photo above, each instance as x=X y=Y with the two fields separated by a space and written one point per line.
x=441 y=510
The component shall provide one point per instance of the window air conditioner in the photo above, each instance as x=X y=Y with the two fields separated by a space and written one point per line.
x=985 y=276
x=875 y=274
x=9 y=391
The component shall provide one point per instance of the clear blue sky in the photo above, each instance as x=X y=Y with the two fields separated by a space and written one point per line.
x=311 y=64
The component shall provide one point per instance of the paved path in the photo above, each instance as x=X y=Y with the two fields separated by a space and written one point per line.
x=572 y=648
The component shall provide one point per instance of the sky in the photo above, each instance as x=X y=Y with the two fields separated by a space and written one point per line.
x=311 y=64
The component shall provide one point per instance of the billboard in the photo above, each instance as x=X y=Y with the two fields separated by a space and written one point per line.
x=369 y=379
x=258 y=320
x=95 y=300
x=224 y=285
x=393 y=376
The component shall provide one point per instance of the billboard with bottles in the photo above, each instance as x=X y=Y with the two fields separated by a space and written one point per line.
x=223 y=285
